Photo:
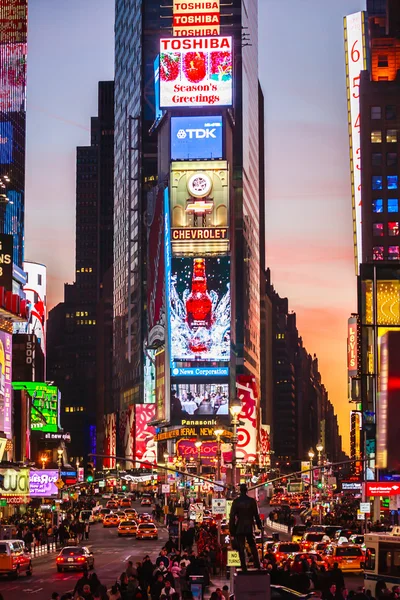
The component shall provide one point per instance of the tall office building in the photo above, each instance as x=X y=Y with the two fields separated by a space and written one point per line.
x=374 y=117
x=73 y=328
x=13 y=57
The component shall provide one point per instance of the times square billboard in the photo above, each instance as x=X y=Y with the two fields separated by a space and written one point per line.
x=196 y=71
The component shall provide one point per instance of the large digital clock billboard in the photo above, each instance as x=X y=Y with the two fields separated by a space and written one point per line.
x=195 y=71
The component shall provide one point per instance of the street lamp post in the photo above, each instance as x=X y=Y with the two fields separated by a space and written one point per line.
x=43 y=460
x=311 y=456
x=218 y=432
x=59 y=463
x=319 y=447
x=235 y=410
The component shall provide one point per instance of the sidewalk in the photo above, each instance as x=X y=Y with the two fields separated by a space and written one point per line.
x=38 y=551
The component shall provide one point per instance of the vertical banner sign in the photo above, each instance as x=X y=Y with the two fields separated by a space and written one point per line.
x=6 y=262
x=145 y=444
x=246 y=390
x=352 y=347
x=196 y=18
x=5 y=383
x=388 y=454
x=356 y=61
x=155 y=267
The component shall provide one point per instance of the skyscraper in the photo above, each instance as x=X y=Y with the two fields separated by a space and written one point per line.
x=13 y=57
x=73 y=329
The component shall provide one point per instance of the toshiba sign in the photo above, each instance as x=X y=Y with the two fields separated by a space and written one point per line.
x=195 y=71
x=382 y=488
x=196 y=18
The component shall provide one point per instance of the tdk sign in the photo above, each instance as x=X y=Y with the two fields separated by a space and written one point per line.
x=196 y=138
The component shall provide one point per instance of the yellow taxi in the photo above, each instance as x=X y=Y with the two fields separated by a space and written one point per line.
x=111 y=521
x=125 y=503
x=112 y=504
x=131 y=513
x=127 y=528
x=349 y=557
x=120 y=514
x=147 y=531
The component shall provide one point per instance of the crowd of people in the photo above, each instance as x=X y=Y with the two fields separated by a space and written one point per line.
x=168 y=577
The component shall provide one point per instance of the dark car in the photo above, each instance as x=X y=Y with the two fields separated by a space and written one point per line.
x=75 y=557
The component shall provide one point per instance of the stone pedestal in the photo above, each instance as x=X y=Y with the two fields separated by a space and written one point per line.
x=253 y=585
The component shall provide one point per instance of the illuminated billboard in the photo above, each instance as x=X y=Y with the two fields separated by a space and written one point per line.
x=246 y=390
x=199 y=208
x=35 y=291
x=110 y=440
x=388 y=406
x=356 y=61
x=42 y=484
x=45 y=411
x=145 y=445
x=13 y=20
x=195 y=71
x=196 y=138
x=12 y=77
x=353 y=347
x=200 y=309
x=6 y=261
x=196 y=18
x=5 y=383
x=6 y=143
x=155 y=268
x=198 y=401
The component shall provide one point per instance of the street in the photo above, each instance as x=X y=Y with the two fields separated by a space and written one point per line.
x=110 y=553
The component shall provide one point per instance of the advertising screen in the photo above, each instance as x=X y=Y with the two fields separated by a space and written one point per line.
x=196 y=18
x=110 y=440
x=13 y=20
x=388 y=456
x=5 y=382
x=45 y=405
x=356 y=57
x=145 y=445
x=12 y=77
x=42 y=484
x=198 y=400
x=199 y=208
x=195 y=71
x=6 y=261
x=196 y=138
x=155 y=267
x=200 y=309
x=6 y=143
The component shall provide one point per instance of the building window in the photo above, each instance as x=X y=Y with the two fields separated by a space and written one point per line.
x=383 y=60
x=391 y=159
x=393 y=228
x=392 y=181
x=377 y=182
x=376 y=137
x=377 y=229
x=376 y=159
x=377 y=252
x=390 y=112
x=391 y=136
x=377 y=205
x=393 y=253
x=393 y=205
x=376 y=112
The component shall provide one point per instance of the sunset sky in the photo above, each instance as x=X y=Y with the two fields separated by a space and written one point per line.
x=308 y=204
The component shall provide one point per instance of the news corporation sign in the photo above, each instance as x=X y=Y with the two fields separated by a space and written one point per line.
x=195 y=71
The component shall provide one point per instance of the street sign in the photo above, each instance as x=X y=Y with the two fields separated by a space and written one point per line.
x=295 y=487
x=365 y=507
x=59 y=483
x=360 y=516
x=218 y=506
x=233 y=558
x=102 y=484
x=228 y=508
x=165 y=488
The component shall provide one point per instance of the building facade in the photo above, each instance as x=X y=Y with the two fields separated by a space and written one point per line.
x=76 y=339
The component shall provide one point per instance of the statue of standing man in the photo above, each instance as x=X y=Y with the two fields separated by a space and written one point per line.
x=244 y=514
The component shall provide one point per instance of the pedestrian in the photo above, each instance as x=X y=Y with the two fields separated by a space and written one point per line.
x=55 y=596
x=167 y=590
x=336 y=576
x=87 y=592
x=87 y=530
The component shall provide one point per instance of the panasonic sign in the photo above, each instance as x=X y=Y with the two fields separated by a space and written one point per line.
x=196 y=138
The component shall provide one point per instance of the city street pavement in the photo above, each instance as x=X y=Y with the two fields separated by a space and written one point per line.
x=110 y=553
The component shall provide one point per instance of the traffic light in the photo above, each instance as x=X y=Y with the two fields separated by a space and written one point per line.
x=124 y=488
x=319 y=485
x=90 y=472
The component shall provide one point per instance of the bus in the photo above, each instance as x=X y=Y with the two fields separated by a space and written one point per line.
x=382 y=560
